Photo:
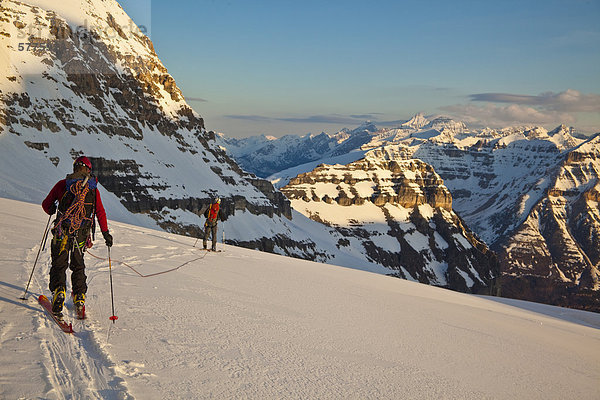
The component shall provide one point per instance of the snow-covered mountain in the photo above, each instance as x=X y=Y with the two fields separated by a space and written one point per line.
x=526 y=193
x=293 y=154
x=246 y=324
x=499 y=179
x=401 y=214
x=78 y=77
x=266 y=155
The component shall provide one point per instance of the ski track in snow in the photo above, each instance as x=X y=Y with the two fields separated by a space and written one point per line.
x=76 y=364
x=70 y=366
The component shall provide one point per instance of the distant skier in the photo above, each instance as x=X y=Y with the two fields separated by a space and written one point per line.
x=78 y=201
x=212 y=214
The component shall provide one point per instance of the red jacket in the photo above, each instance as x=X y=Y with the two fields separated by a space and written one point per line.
x=58 y=192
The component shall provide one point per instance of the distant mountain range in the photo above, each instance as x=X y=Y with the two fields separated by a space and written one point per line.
x=530 y=194
x=265 y=156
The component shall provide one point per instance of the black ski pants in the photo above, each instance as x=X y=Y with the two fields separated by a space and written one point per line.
x=60 y=263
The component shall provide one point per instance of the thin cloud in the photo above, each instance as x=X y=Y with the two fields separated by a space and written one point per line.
x=366 y=116
x=545 y=109
x=197 y=99
x=395 y=123
x=311 y=119
x=323 y=119
x=339 y=119
x=568 y=101
x=504 y=98
x=255 y=118
x=514 y=114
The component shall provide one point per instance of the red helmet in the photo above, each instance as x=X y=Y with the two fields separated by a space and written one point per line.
x=83 y=161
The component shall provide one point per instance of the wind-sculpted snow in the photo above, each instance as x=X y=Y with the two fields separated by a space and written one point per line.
x=247 y=324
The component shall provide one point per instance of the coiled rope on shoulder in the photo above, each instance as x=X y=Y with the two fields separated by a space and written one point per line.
x=76 y=212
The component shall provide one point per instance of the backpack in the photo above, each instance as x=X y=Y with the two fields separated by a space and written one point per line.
x=213 y=213
x=77 y=207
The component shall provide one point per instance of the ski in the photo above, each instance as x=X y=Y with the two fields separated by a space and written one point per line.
x=67 y=328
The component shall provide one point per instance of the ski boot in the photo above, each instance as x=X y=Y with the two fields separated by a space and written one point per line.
x=79 y=301
x=58 y=299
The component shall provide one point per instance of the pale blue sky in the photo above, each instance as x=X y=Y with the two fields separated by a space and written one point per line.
x=279 y=67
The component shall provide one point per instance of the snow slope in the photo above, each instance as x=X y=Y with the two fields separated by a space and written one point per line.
x=247 y=324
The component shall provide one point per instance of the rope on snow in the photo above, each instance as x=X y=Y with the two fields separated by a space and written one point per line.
x=148 y=275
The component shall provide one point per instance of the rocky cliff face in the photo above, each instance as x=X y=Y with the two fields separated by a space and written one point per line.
x=406 y=183
x=556 y=247
x=401 y=214
x=530 y=196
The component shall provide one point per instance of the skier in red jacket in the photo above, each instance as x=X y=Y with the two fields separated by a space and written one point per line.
x=78 y=201
x=212 y=214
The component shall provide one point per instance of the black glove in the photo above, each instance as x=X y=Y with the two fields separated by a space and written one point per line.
x=52 y=209
x=107 y=238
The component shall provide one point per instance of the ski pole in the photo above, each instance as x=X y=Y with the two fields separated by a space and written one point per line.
x=36 y=258
x=45 y=239
x=113 y=318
